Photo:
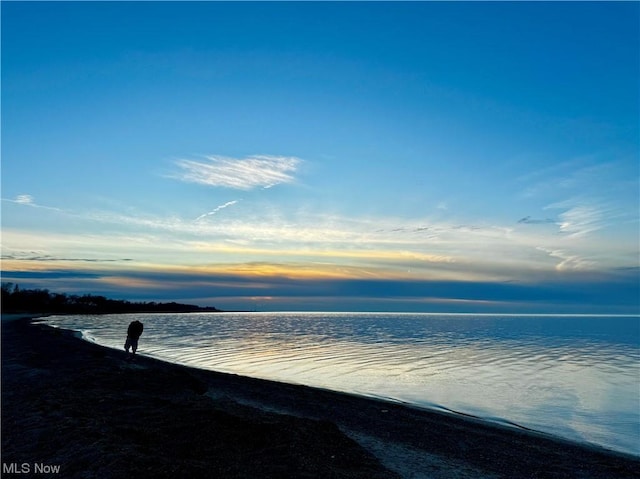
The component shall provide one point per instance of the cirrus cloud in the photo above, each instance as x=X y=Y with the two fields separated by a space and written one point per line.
x=28 y=200
x=24 y=199
x=257 y=171
x=216 y=209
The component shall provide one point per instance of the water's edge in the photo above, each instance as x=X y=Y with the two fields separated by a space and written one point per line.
x=496 y=422
x=576 y=388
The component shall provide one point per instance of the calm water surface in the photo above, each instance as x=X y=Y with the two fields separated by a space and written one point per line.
x=573 y=376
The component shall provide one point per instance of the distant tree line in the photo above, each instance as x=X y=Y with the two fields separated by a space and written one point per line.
x=17 y=300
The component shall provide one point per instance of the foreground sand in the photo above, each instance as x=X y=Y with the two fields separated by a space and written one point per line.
x=84 y=408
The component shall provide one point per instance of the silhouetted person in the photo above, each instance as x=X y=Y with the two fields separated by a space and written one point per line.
x=133 y=334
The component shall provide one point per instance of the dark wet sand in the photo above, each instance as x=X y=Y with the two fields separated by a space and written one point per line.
x=83 y=407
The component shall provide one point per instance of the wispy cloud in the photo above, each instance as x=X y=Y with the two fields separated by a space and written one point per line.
x=216 y=209
x=583 y=175
x=49 y=258
x=332 y=244
x=24 y=199
x=579 y=218
x=28 y=200
x=528 y=220
x=590 y=195
x=258 y=171
x=569 y=261
x=335 y=244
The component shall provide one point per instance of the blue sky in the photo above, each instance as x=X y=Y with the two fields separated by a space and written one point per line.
x=342 y=156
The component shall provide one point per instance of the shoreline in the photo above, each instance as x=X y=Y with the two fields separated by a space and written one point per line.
x=57 y=386
x=545 y=426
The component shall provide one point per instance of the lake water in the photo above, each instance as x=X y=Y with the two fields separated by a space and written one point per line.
x=577 y=377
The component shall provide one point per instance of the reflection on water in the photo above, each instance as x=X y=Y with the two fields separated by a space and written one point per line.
x=577 y=377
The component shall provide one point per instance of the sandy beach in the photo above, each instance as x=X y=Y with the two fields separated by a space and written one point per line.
x=75 y=409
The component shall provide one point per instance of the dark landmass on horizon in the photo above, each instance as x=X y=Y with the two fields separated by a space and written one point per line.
x=85 y=408
x=42 y=301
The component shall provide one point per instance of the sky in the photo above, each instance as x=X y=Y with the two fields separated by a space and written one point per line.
x=348 y=156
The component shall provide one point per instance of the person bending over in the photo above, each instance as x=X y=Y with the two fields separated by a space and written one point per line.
x=133 y=334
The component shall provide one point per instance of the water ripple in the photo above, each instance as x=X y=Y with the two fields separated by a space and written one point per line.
x=577 y=377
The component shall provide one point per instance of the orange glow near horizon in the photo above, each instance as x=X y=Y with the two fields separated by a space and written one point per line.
x=118 y=272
